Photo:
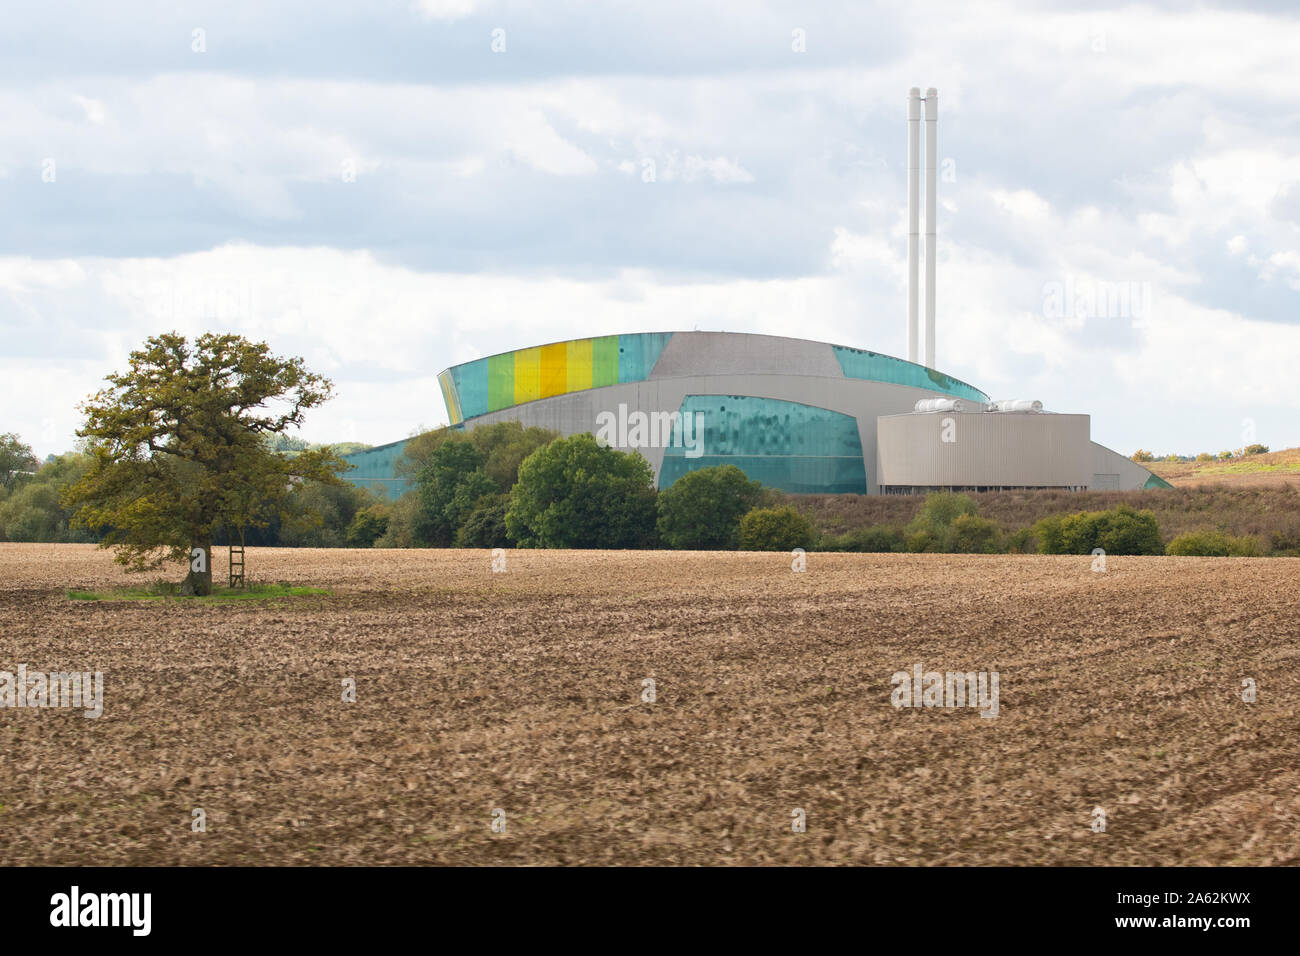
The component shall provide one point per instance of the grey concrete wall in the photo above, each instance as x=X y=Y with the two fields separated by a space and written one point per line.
x=577 y=412
x=1132 y=476
x=1003 y=449
x=731 y=353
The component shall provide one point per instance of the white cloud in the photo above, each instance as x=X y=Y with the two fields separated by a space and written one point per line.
x=1137 y=148
x=446 y=9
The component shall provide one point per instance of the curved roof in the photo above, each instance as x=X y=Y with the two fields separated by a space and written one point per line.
x=526 y=375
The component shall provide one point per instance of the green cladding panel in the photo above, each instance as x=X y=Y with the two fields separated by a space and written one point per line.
x=797 y=448
x=874 y=367
x=526 y=375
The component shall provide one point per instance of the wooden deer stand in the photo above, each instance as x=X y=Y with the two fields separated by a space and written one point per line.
x=236 y=560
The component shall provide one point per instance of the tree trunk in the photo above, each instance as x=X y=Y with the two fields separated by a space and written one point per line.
x=198 y=581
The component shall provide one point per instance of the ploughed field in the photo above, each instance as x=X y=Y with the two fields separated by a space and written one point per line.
x=521 y=691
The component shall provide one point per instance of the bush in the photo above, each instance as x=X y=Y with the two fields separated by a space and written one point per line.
x=948 y=523
x=776 y=529
x=32 y=509
x=1256 y=450
x=1205 y=456
x=971 y=534
x=318 y=515
x=877 y=539
x=1120 y=530
x=486 y=525
x=403 y=516
x=1285 y=542
x=447 y=488
x=32 y=513
x=925 y=541
x=16 y=461
x=1215 y=544
x=367 y=526
x=1142 y=455
x=1021 y=541
x=503 y=448
x=1047 y=532
x=577 y=493
x=702 y=509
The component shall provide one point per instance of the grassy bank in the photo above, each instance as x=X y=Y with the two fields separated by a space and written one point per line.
x=1270 y=514
x=170 y=591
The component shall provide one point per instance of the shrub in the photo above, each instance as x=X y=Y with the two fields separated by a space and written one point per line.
x=1255 y=450
x=702 y=509
x=971 y=534
x=1143 y=455
x=948 y=523
x=367 y=526
x=32 y=509
x=486 y=525
x=448 y=486
x=1285 y=542
x=876 y=539
x=318 y=515
x=403 y=516
x=1120 y=530
x=16 y=461
x=943 y=507
x=32 y=513
x=1225 y=456
x=577 y=493
x=1021 y=542
x=776 y=529
x=1205 y=456
x=1047 y=532
x=924 y=541
x=1213 y=544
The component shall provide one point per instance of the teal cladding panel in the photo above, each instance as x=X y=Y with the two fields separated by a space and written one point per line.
x=874 y=367
x=472 y=387
x=376 y=470
x=638 y=353
x=797 y=448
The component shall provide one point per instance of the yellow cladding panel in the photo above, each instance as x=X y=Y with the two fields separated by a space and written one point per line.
x=528 y=375
x=579 y=365
x=553 y=377
x=450 y=397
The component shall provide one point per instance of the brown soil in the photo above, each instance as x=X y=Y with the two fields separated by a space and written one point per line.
x=521 y=691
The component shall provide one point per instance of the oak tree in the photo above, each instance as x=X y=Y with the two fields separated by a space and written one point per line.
x=179 y=449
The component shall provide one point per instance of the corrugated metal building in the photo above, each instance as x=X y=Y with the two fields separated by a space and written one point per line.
x=983 y=451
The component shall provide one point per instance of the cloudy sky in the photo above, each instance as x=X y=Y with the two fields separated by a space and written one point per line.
x=391 y=187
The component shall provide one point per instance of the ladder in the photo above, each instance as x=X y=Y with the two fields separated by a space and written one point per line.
x=237 y=561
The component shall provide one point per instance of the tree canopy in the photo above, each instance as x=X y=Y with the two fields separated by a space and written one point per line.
x=702 y=509
x=16 y=460
x=178 y=448
x=577 y=493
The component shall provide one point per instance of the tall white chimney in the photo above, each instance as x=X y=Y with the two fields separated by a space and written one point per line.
x=931 y=252
x=913 y=218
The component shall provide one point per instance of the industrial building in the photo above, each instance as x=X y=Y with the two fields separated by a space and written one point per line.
x=806 y=417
